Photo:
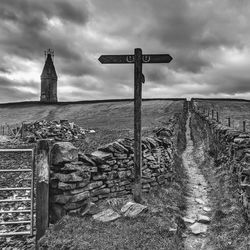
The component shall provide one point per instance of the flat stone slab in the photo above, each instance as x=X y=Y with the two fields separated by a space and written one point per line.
x=198 y=228
x=203 y=219
x=189 y=220
x=132 y=209
x=106 y=215
x=207 y=209
x=200 y=201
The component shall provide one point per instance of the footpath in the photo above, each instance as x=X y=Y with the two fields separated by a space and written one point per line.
x=198 y=212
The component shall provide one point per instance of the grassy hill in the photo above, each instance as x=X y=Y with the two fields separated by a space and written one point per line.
x=237 y=110
x=110 y=120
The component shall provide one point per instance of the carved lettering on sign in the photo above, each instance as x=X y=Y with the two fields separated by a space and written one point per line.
x=130 y=59
x=146 y=59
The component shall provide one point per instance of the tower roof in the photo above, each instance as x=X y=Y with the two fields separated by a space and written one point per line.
x=49 y=68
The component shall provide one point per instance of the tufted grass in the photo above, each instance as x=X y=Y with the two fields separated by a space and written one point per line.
x=152 y=230
x=229 y=229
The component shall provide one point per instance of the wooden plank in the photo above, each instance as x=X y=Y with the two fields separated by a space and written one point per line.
x=42 y=189
x=14 y=234
x=15 y=170
x=15 y=222
x=14 y=200
x=137 y=124
x=156 y=58
x=15 y=189
x=111 y=59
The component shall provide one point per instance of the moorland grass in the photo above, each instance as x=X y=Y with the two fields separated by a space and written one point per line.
x=159 y=228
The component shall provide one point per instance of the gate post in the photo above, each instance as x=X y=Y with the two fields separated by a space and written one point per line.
x=42 y=189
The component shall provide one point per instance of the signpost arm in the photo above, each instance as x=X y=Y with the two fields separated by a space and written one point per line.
x=137 y=123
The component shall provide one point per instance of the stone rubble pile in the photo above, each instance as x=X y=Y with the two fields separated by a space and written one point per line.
x=62 y=130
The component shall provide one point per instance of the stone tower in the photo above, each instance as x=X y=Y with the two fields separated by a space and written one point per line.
x=49 y=79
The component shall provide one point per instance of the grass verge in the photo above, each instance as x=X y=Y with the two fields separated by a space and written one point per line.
x=159 y=228
x=229 y=229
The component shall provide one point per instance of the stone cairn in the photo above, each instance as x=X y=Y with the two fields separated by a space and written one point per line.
x=78 y=179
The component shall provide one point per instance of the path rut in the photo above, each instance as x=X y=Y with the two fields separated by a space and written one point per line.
x=196 y=219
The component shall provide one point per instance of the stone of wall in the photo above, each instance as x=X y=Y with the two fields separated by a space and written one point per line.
x=77 y=178
x=231 y=149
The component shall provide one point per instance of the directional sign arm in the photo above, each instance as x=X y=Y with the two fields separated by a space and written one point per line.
x=147 y=58
x=112 y=59
x=156 y=58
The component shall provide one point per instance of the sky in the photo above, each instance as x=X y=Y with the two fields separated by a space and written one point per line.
x=209 y=41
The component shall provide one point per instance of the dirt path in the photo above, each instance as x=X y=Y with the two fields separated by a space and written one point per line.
x=198 y=210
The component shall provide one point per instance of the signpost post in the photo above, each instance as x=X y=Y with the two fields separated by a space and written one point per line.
x=137 y=59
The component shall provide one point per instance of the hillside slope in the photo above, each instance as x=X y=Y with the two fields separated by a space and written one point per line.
x=110 y=120
x=108 y=115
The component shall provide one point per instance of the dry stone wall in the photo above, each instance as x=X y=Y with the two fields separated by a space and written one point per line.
x=231 y=149
x=77 y=178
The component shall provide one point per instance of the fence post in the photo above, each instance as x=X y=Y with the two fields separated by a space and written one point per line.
x=217 y=116
x=22 y=131
x=212 y=114
x=244 y=126
x=42 y=189
x=229 y=122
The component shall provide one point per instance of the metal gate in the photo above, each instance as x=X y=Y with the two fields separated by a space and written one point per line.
x=30 y=199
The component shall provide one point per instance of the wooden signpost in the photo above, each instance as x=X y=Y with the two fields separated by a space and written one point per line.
x=137 y=59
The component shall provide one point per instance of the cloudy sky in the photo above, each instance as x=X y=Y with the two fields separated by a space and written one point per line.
x=209 y=41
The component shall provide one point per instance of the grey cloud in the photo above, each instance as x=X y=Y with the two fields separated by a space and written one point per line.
x=4 y=69
x=30 y=19
x=229 y=82
x=10 y=90
x=186 y=29
x=82 y=66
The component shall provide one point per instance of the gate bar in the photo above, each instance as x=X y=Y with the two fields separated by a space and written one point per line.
x=15 y=189
x=16 y=150
x=14 y=200
x=15 y=170
x=15 y=233
x=15 y=222
x=15 y=211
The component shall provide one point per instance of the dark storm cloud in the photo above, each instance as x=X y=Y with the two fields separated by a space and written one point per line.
x=156 y=75
x=26 y=11
x=4 y=70
x=198 y=34
x=230 y=80
x=26 y=29
x=80 y=67
x=188 y=28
